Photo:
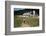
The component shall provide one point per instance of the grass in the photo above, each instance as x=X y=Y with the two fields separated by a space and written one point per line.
x=32 y=21
x=17 y=21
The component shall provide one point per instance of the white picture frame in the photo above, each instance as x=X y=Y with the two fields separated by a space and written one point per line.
x=25 y=28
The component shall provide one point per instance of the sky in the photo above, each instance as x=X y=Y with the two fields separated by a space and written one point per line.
x=18 y=9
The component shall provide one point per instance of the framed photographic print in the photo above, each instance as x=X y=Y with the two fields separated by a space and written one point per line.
x=24 y=17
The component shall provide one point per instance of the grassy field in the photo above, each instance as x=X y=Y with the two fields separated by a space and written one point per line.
x=32 y=21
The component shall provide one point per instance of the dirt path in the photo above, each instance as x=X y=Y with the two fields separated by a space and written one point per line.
x=25 y=25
